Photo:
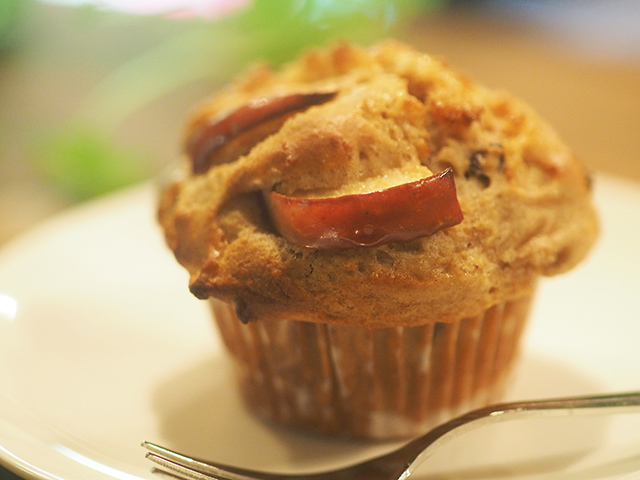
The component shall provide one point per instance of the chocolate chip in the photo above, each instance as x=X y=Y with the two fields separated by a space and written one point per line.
x=475 y=170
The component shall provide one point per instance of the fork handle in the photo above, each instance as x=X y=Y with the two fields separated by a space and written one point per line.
x=423 y=447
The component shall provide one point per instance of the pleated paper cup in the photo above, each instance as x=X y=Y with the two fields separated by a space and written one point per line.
x=379 y=383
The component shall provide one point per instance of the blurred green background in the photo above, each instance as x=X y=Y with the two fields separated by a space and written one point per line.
x=92 y=98
x=114 y=64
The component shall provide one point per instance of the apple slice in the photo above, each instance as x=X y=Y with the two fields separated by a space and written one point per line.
x=399 y=213
x=212 y=135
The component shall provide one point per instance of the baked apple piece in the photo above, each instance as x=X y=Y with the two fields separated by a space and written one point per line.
x=227 y=136
x=395 y=214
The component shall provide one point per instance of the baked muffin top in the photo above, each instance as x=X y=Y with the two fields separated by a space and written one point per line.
x=350 y=120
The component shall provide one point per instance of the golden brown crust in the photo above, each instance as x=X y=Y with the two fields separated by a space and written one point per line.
x=524 y=196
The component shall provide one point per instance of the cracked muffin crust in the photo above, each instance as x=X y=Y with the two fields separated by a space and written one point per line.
x=382 y=116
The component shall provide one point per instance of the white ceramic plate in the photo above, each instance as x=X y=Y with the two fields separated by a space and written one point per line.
x=102 y=347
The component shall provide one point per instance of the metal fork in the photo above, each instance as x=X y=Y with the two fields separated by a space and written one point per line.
x=400 y=463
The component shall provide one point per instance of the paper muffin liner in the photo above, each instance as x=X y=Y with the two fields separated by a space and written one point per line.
x=379 y=383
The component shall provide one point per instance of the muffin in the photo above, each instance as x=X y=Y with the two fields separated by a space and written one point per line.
x=369 y=226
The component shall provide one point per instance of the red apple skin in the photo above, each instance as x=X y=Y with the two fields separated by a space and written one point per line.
x=218 y=131
x=396 y=214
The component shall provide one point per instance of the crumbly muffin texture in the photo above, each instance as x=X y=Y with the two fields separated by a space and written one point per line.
x=397 y=115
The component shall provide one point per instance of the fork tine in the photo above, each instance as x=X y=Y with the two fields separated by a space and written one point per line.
x=176 y=470
x=187 y=468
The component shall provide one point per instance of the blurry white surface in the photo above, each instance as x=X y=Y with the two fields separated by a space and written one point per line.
x=84 y=377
